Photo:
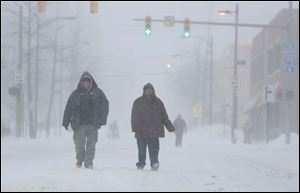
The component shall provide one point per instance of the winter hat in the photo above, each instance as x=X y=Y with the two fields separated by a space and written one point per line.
x=86 y=77
x=148 y=85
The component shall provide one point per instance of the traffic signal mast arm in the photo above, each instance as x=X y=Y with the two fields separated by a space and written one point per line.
x=282 y=27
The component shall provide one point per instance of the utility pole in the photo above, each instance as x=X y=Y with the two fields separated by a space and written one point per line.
x=235 y=78
x=37 y=71
x=211 y=82
x=204 y=85
x=19 y=101
x=32 y=133
x=198 y=81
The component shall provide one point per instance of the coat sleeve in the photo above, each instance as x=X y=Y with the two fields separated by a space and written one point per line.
x=103 y=106
x=68 y=111
x=166 y=121
x=135 y=117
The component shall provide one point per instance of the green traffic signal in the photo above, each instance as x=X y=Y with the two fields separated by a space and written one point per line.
x=186 y=34
x=147 y=32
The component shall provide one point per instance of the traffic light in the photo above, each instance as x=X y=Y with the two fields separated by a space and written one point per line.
x=148 y=21
x=42 y=6
x=187 y=22
x=94 y=7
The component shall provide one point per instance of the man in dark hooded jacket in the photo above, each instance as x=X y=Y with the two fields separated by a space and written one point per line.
x=148 y=119
x=86 y=110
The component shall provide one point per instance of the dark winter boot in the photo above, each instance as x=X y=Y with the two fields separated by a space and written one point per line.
x=140 y=166
x=155 y=167
x=78 y=164
x=89 y=167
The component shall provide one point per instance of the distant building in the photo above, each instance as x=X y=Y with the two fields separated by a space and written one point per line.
x=267 y=69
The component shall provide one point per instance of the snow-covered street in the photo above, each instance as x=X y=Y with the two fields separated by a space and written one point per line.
x=206 y=162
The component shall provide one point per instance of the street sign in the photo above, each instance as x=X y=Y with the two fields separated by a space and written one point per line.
x=169 y=21
x=19 y=77
x=235 y=84
x=197 y=110
x=289 y=69
x=241 y=62
x=289 y=63
x=289 y=60
x=269 y=93
x=289 y=48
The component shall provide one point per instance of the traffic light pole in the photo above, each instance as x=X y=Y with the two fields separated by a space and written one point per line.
x=235 y=78
x=19 y=101
x=211 y=82
x=32 y=132
x=37 y=73
x=279 y=27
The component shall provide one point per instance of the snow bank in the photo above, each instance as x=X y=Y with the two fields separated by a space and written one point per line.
x=281 y=139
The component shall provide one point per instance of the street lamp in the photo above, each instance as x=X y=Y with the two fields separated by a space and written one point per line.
x=224 y=12
x=168 y=66
x=234 y=90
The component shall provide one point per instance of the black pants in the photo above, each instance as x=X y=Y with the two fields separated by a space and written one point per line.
x=153 y=148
